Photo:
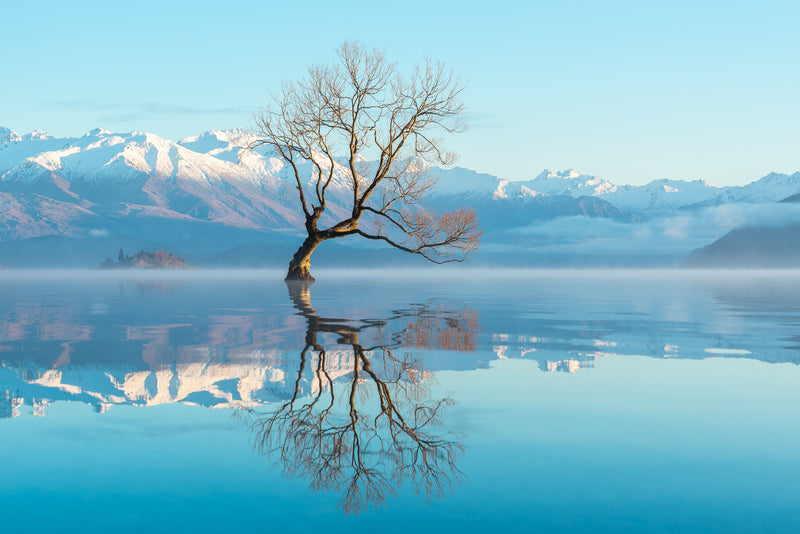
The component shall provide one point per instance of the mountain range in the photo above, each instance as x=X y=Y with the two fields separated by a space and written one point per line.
x=74 y=201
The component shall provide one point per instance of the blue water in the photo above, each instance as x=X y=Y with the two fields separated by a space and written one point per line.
x=400 y=401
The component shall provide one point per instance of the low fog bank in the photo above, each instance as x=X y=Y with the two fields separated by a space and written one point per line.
x=507 y=276
x=732 y=235
x=56 y=252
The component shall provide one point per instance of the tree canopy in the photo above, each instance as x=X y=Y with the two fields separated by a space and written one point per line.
x=362 y=115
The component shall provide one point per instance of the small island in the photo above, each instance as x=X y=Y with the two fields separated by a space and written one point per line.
x=143 y=259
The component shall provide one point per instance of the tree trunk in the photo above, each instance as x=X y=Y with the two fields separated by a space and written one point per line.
x=300 y=266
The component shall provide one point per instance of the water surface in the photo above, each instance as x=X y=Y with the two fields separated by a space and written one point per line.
x=424 y=401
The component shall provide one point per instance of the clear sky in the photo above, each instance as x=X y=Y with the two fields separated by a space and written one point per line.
x=628 y=91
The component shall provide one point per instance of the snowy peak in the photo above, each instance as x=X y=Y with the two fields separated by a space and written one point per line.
x=215 y=139
x=771 y=186
x=225 y=145
x=98 y=132
x=773 y=176
x=460 y=181
x=776 y=178
x=662 y=195
x=680 y=185
x=564 y=175
x=36 y=135
x=569 y=182
x=7 y=135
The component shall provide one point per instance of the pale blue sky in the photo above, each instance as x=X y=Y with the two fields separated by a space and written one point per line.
x=629 y=91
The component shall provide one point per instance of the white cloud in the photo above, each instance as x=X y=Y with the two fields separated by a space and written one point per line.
x=679 y=233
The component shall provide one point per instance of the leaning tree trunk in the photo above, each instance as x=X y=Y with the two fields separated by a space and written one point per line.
x=300 y=266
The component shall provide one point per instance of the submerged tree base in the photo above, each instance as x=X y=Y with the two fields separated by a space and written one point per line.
x=299 y=275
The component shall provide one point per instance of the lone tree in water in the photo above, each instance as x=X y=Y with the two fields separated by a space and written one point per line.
x=362 y=107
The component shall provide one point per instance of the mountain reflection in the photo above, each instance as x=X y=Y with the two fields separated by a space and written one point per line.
x=378 y=426
x=229 y=343
x=150 y=348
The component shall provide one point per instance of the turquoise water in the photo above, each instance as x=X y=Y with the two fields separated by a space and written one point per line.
x=409 y=401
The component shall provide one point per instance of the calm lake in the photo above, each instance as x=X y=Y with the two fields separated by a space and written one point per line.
x=427 y=401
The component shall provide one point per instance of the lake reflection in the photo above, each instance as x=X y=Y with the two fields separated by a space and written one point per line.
x=138 y=349
x=144 y=341
x=141 y=340
x=364 y=391
x=378 y=428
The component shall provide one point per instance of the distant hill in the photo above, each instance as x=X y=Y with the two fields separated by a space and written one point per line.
x=753 y=247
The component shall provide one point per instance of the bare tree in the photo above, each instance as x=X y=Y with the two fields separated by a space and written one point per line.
x=361 y=107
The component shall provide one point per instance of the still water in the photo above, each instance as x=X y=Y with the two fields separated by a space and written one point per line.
x=411 y=401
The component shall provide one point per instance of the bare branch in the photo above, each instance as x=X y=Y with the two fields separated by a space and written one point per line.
x=360 y=106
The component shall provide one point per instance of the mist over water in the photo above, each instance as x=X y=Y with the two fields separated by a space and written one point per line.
x=399 y=399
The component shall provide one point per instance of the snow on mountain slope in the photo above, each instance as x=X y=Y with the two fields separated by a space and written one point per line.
x=225 y=145
x=230 y=146
x=210 y=163
x=7 y=135
x=569 y=182
x=140 y=185
x=106 y=169
x=771 y=188
x=460 y=181
x=662 y=195
x=100 y=155
x=36 y=135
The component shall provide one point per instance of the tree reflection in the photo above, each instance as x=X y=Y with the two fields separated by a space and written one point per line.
x=376 y=426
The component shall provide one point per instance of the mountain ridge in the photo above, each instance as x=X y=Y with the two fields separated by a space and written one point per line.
x=128 y=184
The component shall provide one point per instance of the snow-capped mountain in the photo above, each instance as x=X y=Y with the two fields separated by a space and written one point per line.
x=209 y=193
x=138 y=174
x=569 y=182
x=662 y=195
